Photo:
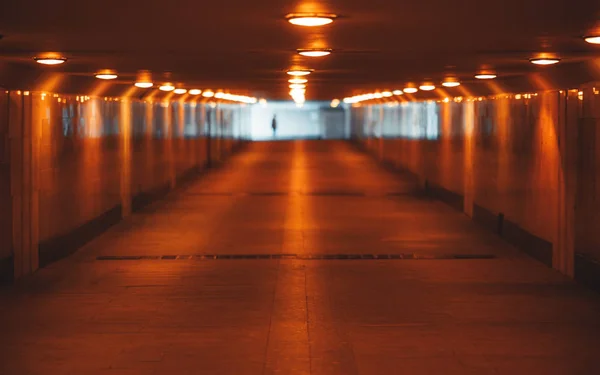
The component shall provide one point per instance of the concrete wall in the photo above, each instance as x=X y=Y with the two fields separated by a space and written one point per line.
x=5 y=197
x=79 y=164
x=523 y=165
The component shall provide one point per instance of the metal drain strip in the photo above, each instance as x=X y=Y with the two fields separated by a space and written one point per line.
x=406 y=256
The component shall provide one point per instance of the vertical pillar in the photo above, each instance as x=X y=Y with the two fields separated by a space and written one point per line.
x=24 y=144
x=169 y=142
x=6 y=247
x=469 y=158
x=125 y=157
x=567 y=132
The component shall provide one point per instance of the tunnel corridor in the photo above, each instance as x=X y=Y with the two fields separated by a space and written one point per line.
x=300 y=257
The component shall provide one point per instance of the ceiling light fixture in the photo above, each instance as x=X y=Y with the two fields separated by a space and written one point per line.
x=398 y=92
x=298 y=80
x=195 y=92
x=144 y=80
x=544 y=60
x=297 y=86
x=485 y=76
x=180 y=91
x=386 y=94
x=427 y=86
x=299 y=72
x=144 y=85
x=411 y=88
x=451 y=82
x=335 y=103
x=50 y=60
x=208 y=94
x=592 y=39
x=167 y=87
x=310 y=19
x=316 y=52
x=106 y=74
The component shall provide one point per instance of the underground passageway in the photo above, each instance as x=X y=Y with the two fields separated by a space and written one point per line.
x=307 y=187
x=298 y=258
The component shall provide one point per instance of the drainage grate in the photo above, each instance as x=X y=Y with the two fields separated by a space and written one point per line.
x=405 y=256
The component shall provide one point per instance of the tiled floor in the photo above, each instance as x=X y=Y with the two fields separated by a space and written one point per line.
x=507 y=315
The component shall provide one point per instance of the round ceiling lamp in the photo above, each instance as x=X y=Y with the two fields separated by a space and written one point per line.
x=451 y=82
x=167 y=87
x=298 y=80
x=316 y=52
x=144 y=80
x=386 y=94
x=297 y=86
x=410 y=88
x=195 y=92
x=310 y=19
x=299 y=72
x=208 y=94
x=592 y=39
x=485 y=75
x=106 y=74
x=398 y=92
x=144 y=85
x=427 y=86
x=544 y=60
x=179 y=91
x=50 y=60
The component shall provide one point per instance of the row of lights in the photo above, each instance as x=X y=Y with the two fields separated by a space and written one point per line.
x=410 y=88
x=297 y=84
x=144 y=81
x=312 y=20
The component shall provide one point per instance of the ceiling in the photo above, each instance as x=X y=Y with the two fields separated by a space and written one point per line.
x=246 y=46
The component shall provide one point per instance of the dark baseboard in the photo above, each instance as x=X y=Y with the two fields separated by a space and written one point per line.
x=61 y=246
x=141 y=200
x=451 y=198
x=7 y=270
x=535 y=246
x=587 y=271
x=188 y=176
x=489 y=220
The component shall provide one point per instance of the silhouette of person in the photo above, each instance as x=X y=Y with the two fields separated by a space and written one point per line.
x=274 y=125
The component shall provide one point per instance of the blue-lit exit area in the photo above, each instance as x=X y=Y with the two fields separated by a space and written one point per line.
x=312 y=120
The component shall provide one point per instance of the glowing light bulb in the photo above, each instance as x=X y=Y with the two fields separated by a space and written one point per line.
x=314 y=52
x=195 y=92
x=310 y=20
x=545 y=61
x=167 y=87
x=50 y=60
x=299 y=72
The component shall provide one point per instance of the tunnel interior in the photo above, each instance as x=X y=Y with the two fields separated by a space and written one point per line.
x=307 y=187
